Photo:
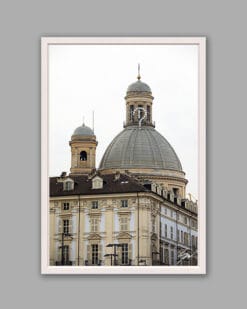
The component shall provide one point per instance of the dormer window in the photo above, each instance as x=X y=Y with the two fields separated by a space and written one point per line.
x=68 y=185
x=83 y=156
x=97 y=183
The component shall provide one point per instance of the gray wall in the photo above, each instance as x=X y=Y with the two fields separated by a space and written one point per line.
x=22 y=23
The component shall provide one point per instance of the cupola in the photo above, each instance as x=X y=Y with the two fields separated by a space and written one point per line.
x=83 y=150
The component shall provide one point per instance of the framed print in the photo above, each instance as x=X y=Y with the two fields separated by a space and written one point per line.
x=123 y=155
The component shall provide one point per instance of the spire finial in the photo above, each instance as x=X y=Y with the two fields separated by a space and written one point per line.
x=138 y=76
x=83 y=123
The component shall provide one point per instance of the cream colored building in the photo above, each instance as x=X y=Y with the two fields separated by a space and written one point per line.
x=132 y=210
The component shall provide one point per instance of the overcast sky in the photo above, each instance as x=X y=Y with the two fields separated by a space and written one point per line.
x=86 y=78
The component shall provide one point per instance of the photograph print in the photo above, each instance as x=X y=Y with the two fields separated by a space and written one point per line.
x=123 y=155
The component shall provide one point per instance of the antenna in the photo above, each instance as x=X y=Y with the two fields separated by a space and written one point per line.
x=138 y=76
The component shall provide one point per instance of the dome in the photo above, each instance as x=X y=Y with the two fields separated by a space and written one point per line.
x=83 y=130
x=139 y=86
x=143 y=147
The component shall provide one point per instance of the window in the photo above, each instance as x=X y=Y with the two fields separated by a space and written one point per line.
x=65 y=255
x=175 y=191
x=68 y=185
x=125 y=254
x=97 y=183
x=178 y=217
x=94 y=225
x=95 y=204
x=140 y=112
x=124 y=224
x=172 y=257
x=66 y=206
x=186 y=238
x=171 y=232
x=83 y=156
x=166 y=257
x=185 y=220
x=66 y=226
x=148 y=113
x=124 y=203
x=193 y=223
x=182 y=236
x=153 y=225
x=131 y=112
x=193 y=241
x=166 y=230
x=95 y=254
x=177 y=234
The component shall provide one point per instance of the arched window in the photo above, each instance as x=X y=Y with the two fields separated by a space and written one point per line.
x=131 y=112
x=148 y=113
x=140 y=112
x=83 y=156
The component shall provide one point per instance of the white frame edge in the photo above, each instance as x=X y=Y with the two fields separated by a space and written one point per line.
x=139 y=270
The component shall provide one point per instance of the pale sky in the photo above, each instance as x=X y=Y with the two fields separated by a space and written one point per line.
x=86 y=78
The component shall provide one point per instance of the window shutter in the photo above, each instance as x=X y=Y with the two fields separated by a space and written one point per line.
x=119 y=257
x=100 y=253
x=70 y=225
x=60 y=226
x=89 y=254
x=130 y=254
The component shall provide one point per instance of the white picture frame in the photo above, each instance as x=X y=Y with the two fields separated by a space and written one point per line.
x=46 y=43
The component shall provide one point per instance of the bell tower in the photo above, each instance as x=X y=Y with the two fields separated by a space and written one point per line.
x=83 y=151
x=139 y=101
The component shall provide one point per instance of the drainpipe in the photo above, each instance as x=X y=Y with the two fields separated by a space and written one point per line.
x=177 y=235
x=138 y=245
x=79 y=230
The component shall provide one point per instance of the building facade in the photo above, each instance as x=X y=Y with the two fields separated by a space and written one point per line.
x=132 y=210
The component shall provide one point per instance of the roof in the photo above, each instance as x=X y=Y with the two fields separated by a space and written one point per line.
x=83 y=186
x=139 y=86
x=143 y=147
x=83 y=130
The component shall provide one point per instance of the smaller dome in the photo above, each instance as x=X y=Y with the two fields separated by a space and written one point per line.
x=83 y=130
x=139 y=86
